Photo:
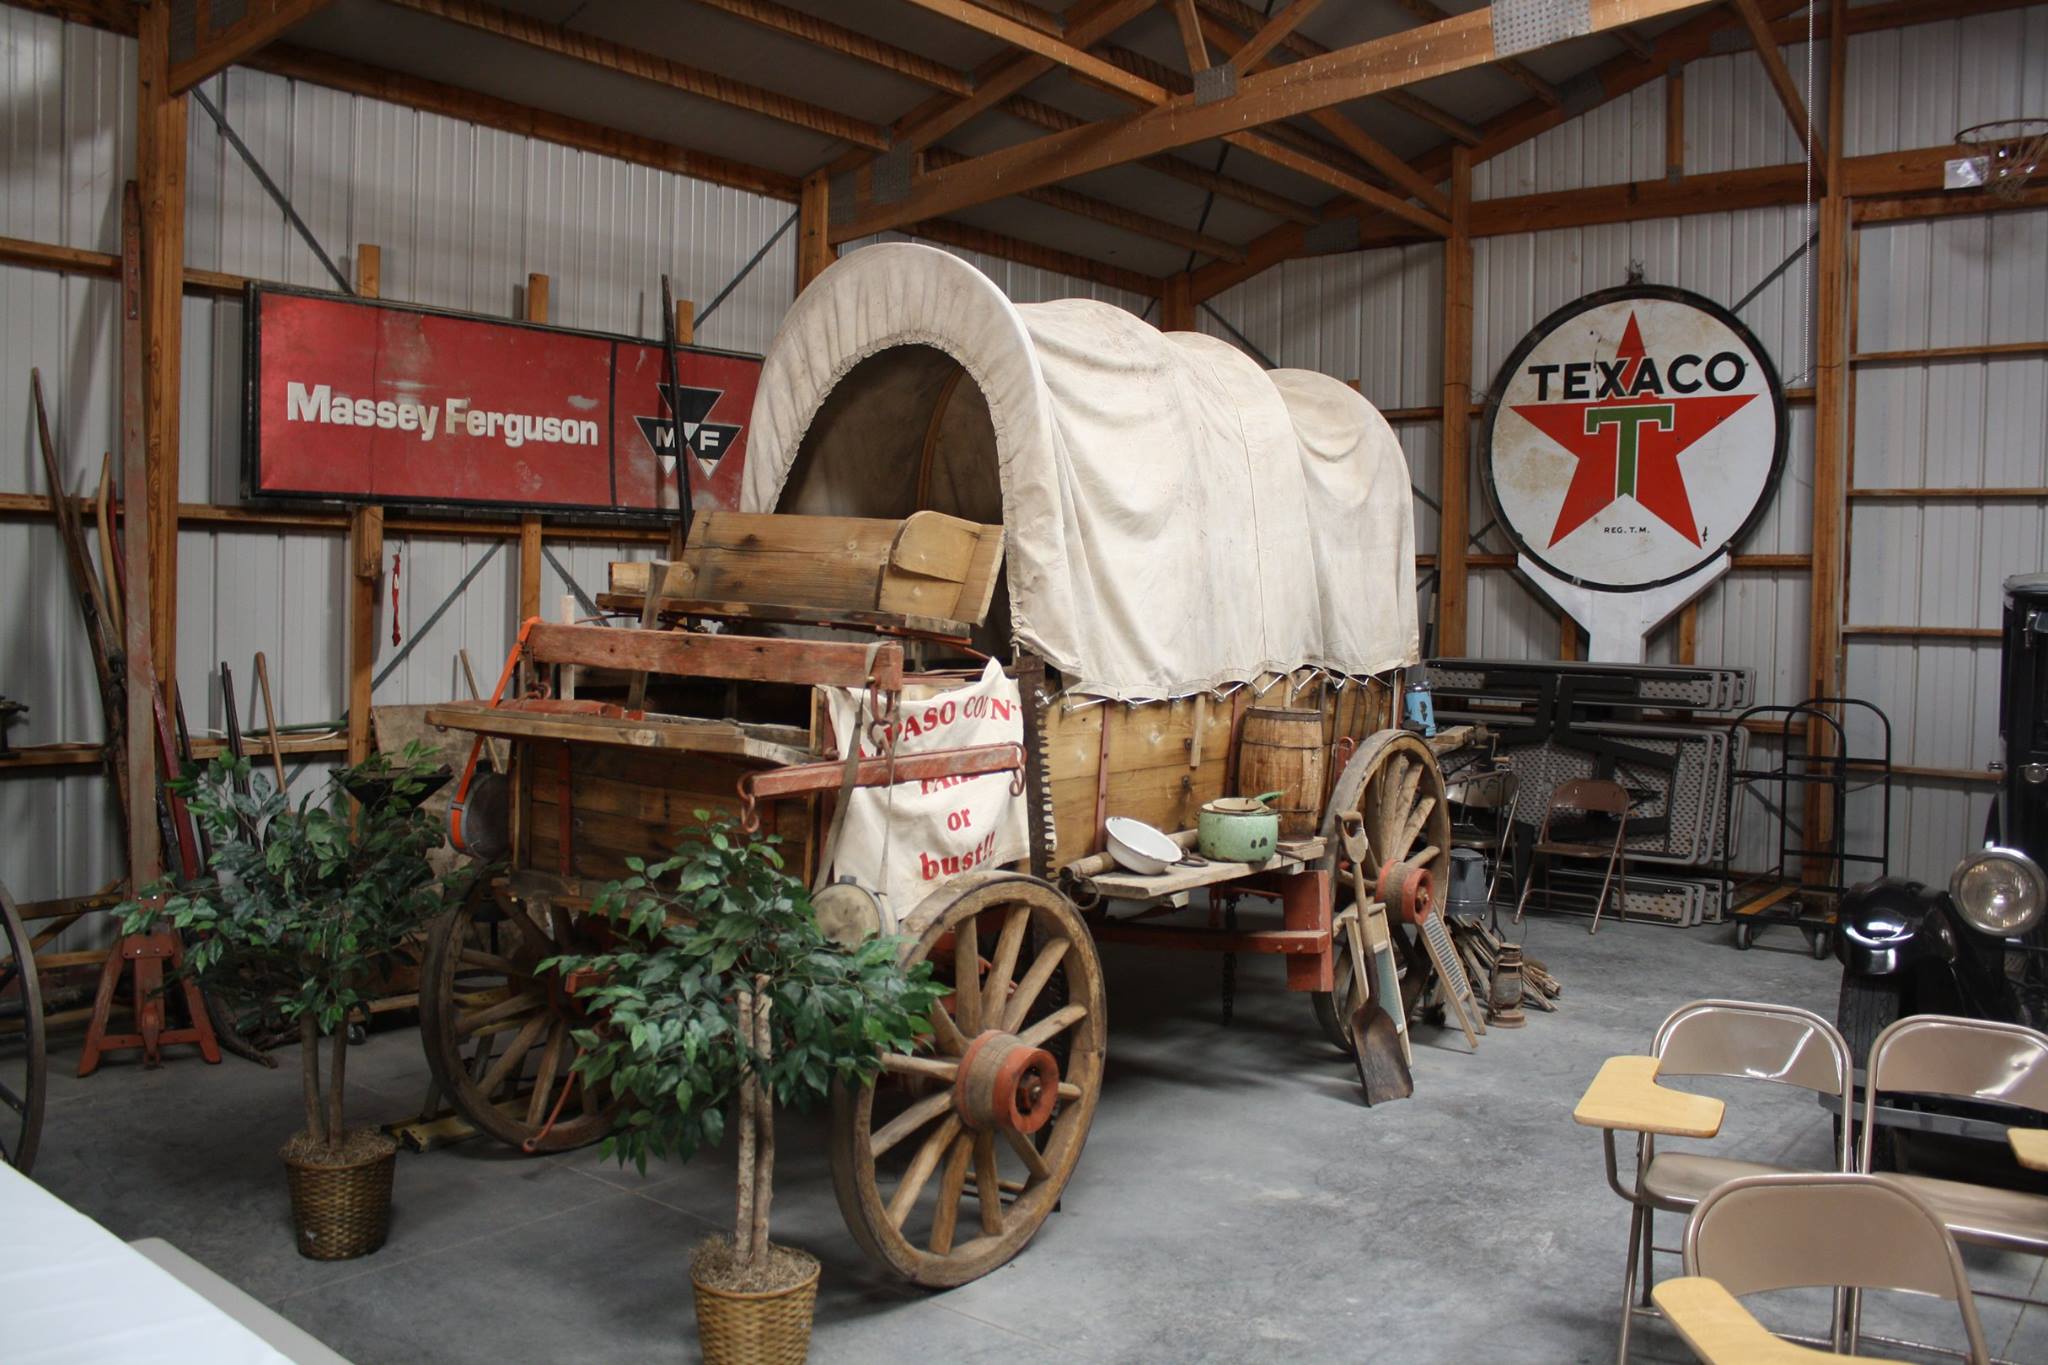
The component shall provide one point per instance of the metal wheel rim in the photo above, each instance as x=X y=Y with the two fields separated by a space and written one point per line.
x=866 y=1185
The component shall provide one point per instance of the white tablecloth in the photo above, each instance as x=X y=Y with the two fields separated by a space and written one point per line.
x=70 y=1291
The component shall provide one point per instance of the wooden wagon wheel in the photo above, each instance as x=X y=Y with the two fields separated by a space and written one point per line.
x=948 y=1164
x=1394 y=783
x=24 y=1064
x=497 y=1030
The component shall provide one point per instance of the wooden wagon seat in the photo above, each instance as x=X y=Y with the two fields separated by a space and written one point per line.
x=929 y=572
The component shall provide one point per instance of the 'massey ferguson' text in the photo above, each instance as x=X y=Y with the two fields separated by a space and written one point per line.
x=319 y=403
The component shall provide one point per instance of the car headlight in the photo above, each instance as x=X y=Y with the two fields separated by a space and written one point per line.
x=1999 y=891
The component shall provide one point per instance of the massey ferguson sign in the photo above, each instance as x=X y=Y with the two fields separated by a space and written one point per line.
x=362 y=401
x=1633 y=436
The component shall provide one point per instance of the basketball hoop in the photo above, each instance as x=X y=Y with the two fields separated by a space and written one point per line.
x=2013 y=152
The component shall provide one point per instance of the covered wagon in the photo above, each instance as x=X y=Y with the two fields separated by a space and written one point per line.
x=1000 y=573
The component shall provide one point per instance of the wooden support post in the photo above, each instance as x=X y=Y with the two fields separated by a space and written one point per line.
x=686 y=322
x=1830 y=453
x=1689 y=633
x=366 y=576
x=1454 y=525
x=1567 y=637
x=1177 y=304
x=145 y=853
x=537 y=301
x=814 y=249
x=160 y=173
x=366 y=563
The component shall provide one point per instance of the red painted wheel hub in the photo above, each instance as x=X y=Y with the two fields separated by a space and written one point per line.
x=1005 y=1083
x=1407 y=890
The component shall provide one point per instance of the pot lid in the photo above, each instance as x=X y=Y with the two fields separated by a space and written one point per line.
x=1238 y=805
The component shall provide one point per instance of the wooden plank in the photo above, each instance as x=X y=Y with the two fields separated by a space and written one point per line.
x=1118 y=884
x=681 y=735
x=260 y=23
x=1454 y=522
x=1190 y=25
x=366 y=568
x=1434 y=50
x=1997 y=350
x=1921 y=632
x=814 y=249
x=799 y=662
x=559 y=41
x=1947 y=204
x=680 y=608
x=144 y=847
x=1674 y=123
x=1036 y=40
x=160 y=174
x=845 y=42
x=1948 y=494
x=1275 y=31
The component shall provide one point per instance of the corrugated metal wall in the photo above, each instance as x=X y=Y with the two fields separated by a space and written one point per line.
x=1376 y=317
x=462 y=215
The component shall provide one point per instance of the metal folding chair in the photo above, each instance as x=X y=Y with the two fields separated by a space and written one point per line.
x=1582 y=796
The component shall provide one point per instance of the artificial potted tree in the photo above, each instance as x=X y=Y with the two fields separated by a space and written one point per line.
x=298 y=908
x=720 y=991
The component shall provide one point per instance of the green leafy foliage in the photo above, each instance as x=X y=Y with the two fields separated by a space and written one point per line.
x=696 y=929
x=299 y=904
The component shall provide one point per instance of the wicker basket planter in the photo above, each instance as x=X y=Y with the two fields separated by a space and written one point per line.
x=772 y=1327
x=340 y=1212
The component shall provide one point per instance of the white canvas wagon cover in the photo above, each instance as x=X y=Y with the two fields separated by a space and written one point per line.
x=1176 y=518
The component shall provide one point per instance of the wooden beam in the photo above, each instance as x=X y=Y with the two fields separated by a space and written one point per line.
x=1049 y=117
x=260 y=23
x=1247 y=20
x=651 y=67
x=1898 y=14
x=1176 y=306
x=145 y=851
x=1430 y=12
x=1115 y=215
x=412 y=92
x=845 y=42
x=2005 y=493
x=1270 y=36
x=160 y=174
x=1674 y=123
x=1037 y=40
x=814 y=249
x=1438 y=49
x=969 y=238
x=1831 y=419
x=538 y=300
x=1781 y=78
x=1190 y=25
x=1353 y=138
x=1454 y=517
x=366 y=577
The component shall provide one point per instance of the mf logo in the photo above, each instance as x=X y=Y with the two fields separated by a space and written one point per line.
x=689 y=408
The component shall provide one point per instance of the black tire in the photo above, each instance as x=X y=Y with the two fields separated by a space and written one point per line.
x=1745 y=934
x=1866 y=1007
x=1819 y=942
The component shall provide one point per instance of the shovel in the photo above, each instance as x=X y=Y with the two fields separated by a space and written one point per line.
x=1378 y=1043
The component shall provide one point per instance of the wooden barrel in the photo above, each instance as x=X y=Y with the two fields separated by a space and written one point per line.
x=1281 y=749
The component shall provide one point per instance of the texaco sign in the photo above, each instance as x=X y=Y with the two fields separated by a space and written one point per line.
x=1633 y=436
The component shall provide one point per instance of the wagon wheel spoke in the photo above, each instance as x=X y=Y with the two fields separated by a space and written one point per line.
x=988 y=1184
x=1052 y=1025
x=1008 y=945
x=1028 y=1153
x=12 y=1100
x=477 y=957
x=921 y=1167
x=1412 y=830
x=967 y=977
x=952 y=1185
x=1041 y=971
x=515 y=1054
x=544 y=1079
x=905 y=1064
x=908 y=1122
x=511 y=1007
x=948 y=1034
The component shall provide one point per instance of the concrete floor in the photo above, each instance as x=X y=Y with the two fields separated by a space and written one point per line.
x=1236 y=1202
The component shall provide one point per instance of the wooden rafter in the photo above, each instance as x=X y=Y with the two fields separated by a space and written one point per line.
x=1190 y=25
x=1115 y=215
x=1088 y=23
x=1433 y=50
x=1767 y=52
x=1033 y=39
x=968 y=238
x=846 y=42
x=1354 y=138
x=1430 y=12
x=1280 y=206
x=215 y=48
x=1271 y=35
x=1248 y=20
x=651 y=67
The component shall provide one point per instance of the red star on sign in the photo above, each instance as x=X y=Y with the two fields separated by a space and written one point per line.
x=1628 y=446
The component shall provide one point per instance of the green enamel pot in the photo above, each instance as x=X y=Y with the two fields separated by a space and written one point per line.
x=1238 y=829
